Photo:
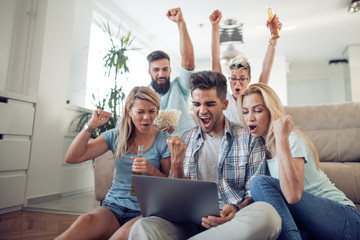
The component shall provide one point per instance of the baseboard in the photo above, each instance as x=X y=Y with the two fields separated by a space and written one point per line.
x=85 y=190
x=42 y=199
x=10 y=209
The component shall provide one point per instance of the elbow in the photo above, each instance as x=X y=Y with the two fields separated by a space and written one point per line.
x=294 y=198
x=69 y=160
x=189 y=65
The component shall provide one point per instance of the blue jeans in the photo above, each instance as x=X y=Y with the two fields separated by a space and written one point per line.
x=312 y=216
x=122 y=214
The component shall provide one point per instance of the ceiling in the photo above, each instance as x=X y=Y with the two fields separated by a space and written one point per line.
x=313 y=30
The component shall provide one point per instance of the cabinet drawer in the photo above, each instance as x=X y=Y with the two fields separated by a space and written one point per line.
x=14 y=154
x=16 y=118
x=12 y=189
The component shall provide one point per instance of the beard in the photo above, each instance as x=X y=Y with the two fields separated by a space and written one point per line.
x=161 y=88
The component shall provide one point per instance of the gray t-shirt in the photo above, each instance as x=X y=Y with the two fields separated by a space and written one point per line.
x=209 y=159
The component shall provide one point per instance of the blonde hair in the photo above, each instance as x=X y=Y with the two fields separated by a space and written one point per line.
x=124 y=131
x=238 y=63
x=276 y=109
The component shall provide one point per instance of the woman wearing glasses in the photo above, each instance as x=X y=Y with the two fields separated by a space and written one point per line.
x=239 y=67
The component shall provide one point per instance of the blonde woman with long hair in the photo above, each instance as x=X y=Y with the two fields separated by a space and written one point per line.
x=308 y=203
x=120 y=209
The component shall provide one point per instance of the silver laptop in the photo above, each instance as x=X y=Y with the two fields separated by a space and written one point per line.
x=176 y=200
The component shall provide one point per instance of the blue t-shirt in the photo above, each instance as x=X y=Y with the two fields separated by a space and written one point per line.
x=177 y=98
x=315 y=180
x=119 y=192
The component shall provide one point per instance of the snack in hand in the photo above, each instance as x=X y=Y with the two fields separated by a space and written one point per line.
x=167 y=118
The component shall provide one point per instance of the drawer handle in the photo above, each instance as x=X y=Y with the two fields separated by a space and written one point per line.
x=3 y=99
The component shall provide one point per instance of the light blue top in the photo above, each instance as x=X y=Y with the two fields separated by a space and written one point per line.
x=315 y=181
x=119 y=192
x=178 y=98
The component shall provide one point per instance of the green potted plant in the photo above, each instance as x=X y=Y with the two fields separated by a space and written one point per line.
x=116 y=61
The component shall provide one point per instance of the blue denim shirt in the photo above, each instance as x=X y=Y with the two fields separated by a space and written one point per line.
x=241 y=157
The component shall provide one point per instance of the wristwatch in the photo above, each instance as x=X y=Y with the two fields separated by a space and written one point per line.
x=90 y=130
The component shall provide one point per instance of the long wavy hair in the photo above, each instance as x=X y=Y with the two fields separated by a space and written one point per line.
x=276 y=109
x=124 y=131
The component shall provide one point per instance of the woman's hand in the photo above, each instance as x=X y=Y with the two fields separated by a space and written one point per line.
x=98 y=118
x=283 y=127
x=276 y=22
x=142 y=165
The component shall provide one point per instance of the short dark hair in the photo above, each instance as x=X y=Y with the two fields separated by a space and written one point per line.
x=157 y=55
x=209 y=80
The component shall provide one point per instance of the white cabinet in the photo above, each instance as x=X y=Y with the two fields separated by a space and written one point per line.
x=16 y=127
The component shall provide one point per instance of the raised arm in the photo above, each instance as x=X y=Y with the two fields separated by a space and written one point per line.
x=81 y=149
x=215 y=18
x=186 y=47
x=177 y=150
x=291 y=170
x=270 y=55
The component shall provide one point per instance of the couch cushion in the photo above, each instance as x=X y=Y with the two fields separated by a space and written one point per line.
x=104 y=173
x=346 y=177
x=333 y=128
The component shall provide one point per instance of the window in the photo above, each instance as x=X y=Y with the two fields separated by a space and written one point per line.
x=97 y=82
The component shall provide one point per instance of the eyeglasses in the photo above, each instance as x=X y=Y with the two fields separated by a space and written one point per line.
x=242 y=80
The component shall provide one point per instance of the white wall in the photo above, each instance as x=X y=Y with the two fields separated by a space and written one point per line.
x=7 y=15
x=317 y=83
x=353 y=53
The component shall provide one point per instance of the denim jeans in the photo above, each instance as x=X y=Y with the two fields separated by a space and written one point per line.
x=122 y=214
x=312 y=216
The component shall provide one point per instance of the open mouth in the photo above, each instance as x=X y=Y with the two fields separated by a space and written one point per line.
x=205 y=121
x=252 y=128
x=161 y=80
x=237 y=90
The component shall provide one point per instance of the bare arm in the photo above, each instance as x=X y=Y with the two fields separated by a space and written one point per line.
x=291 y=170
x=81 y=149
x=177 y=150
x=215 y=18
x=186 y=47
x=269 y=56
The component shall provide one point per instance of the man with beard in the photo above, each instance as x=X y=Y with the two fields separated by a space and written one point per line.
x=220 y=151
x=174 y=94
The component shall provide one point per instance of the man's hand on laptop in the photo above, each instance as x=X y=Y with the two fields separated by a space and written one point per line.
x=177 y=150
x=226 y=214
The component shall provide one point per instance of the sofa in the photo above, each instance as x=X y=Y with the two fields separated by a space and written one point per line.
x=334 y=129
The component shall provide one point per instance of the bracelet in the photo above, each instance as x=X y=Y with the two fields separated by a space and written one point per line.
x=90 y=130
x=236 y=207
x=274 y=46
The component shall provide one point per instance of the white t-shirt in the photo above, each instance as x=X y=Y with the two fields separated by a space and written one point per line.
x=231 y=112
x=315 y=180
x=208 y=162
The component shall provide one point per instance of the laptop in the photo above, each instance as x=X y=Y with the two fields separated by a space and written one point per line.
x=176 y=200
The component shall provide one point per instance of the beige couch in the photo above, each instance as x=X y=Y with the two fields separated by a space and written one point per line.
x=334 y=129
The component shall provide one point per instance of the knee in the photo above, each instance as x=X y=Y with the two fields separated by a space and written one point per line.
x=145 y=228
x=271 y=220
x=258 y=181
x=85 y=219
x=256 y=185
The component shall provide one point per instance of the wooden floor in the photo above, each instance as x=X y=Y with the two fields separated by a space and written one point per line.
x=33 y=225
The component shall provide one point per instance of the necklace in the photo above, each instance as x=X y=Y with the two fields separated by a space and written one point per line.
x=148 y=141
